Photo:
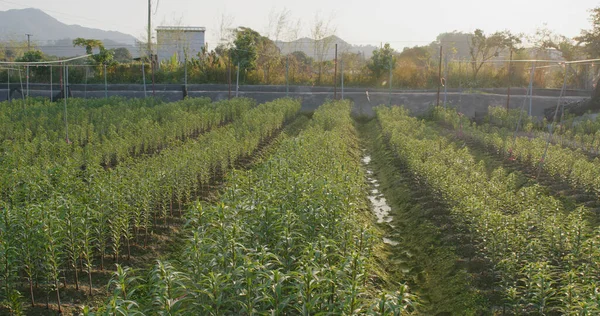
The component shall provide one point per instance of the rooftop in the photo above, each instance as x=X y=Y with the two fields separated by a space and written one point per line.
x=181 y=28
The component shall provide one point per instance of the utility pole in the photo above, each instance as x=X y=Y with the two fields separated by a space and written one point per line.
x=150 y=26
x=335 y=75
x=29 y=41
x=439 y=76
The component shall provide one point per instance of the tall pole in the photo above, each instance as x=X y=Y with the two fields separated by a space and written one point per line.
x=185 y=82
x=390 y=92
x=105 y=84
x=229 y=74
x=28 y=49
x=439 y=77
x=287 y=75
x=460 y=82
x=67 y=90
x=531 y=87
x=509 y=80
x=153 y=65
x=8 y=85
x=445 y=79
x=65 y=98
x=28 y=80
x=237 y=81
x=150 y=26
x=342 y=73
x=144 y=77
x=335 y=75
x=51 y=87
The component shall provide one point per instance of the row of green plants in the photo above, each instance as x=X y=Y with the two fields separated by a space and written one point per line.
x=570 y=131
x=85 y=218
x=106 y=130
x=544 y=257
x=290 y=236
x=570 y=165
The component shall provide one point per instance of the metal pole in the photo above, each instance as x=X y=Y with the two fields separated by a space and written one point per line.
x=390 y=92
x=105 y=84
x=86 y=81
x=153 y=65
x=335 y=75
x=67 y=83
x=8 y=85
x=562 y=114
x=531 y=87
x=144 y=78
x=287 y=73
x=65 y=98
x=21 y=81
x=51 y=88
x=185 y=74
x=551 y=126
x=237 y=80
x=460 y=82
x=342 y=73
x=28 y=49
x=509 y=80
x=445 y=79
x=229 y=74
x=150 y=27
x=27 y=80
x=439 y=77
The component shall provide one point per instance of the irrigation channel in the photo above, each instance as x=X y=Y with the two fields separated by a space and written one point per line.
x=424 y=248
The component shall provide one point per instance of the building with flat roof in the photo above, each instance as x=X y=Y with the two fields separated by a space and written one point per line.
x=179 y=40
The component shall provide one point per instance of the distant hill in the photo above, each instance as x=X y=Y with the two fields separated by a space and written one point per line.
x=307 y=46
x=54 y=37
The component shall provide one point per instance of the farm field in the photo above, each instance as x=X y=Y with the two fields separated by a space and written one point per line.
x=142 y=207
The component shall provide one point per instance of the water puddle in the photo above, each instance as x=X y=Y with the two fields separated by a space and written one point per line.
x=378 y=202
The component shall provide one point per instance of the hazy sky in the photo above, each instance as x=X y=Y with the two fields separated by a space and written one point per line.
x=401 y=23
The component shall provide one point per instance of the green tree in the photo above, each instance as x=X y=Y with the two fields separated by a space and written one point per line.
x=104 y=56
x=381 y=61
x=482 y=48
x=245 y=52
x=31 y=56
x=122 y=55
x=591 y=41
x=591 y=38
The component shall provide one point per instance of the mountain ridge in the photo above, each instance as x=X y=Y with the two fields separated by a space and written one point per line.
x=51 y=35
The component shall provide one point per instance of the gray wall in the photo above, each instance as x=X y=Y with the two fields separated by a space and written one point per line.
x=416 y=100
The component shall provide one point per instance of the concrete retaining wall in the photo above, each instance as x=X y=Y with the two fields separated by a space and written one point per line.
x=416 y=100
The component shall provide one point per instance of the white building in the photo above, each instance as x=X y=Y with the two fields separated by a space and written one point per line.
x=175 y=40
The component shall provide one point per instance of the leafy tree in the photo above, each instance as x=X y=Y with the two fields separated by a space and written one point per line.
x=591 y=38
x=268 y=57
x=103 y=57
x=246 y=51
x=31 y=56
x=381 y=61
x=545 y=38
x=483 y=48
x=591 y=41
x=122 y=55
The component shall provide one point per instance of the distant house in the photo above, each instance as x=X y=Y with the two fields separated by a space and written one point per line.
x=179 y=40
